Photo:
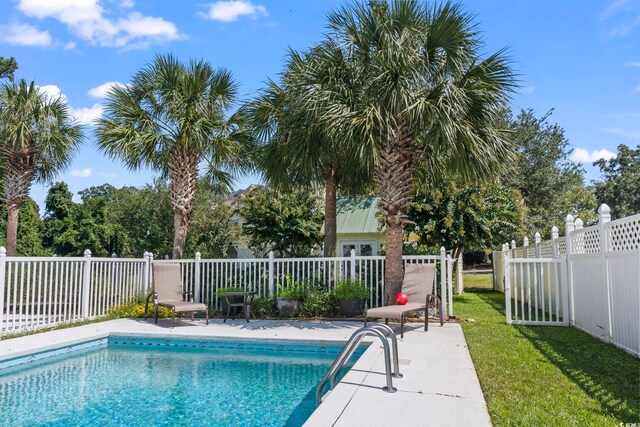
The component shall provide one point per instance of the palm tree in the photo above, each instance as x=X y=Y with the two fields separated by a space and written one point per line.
x=38 y=137
x=408 y=84
x=298 y=151
x=173 y=118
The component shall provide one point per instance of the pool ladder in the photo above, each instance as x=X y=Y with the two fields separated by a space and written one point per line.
x=386 y=334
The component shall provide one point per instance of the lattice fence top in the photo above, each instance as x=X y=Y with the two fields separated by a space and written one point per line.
x=546 y=249
x=624 y=234
x=562 y=246
x=585 y=241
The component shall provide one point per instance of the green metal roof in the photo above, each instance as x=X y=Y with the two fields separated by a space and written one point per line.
x=357 y=215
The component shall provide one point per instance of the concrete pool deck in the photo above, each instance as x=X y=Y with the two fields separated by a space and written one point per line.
x=440 y=386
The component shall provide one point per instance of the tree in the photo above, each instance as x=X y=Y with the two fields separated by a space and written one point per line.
x=620 y=188
x=8 y=66
x=298 y=151
x=288 y=223
x=408 y=85
x=551 y=185
x=468 y=217
x=29 y=240
x=172 y=118
x=212 y=232
x=38 y=137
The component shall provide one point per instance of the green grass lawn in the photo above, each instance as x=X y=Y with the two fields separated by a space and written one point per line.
x=545 y=375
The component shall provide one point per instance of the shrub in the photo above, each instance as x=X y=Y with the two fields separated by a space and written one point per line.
x=223 y=291
x=136 y=309
x=290 y=289
x=318 y=303
x=348 y=289
x=264 y=307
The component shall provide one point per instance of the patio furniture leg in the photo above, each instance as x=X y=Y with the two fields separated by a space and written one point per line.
x=206 y=315
x=228 y=311
x=247 y=309
x=155 y=315
x=386 y=321
x=173 y=317
x=426 y=318
x=402 y=326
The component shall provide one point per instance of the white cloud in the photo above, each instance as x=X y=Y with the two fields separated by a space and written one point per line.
x=634 y=134
x=581 y=155
x=228 y=11
x=82 y=173
x=70 y=46
x=87 y=115
x=527 y=89
x=87 y=19
x=126 y=4
x=24 y=35
x=637 y=89
x=634 y=64
x=101 y=91
x=52 y=91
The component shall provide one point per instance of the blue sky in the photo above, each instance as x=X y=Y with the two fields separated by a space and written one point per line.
x=580 y=57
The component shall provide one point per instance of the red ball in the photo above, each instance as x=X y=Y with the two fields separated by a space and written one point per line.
x=401 y=299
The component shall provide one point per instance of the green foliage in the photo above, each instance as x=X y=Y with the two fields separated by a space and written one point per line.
x=288 y=223
x=135 y=309
x=221 y=291
x=8 y=66
x=465 y=217
x=347 y=289
x=211 y=230
x=265 y=307
x=318 y=302
x=29 y=242
x=551 y=185
x=290 y=289
x=620 y=188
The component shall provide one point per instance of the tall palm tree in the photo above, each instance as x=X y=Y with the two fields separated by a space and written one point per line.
x=173 y=118
x=38 y=137
x=299 y=151
x=408 y=84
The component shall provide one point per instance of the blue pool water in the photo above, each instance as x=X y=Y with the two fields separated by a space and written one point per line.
x=142 y=381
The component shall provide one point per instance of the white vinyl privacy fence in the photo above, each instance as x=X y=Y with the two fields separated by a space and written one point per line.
x=37 y=292
x=589 y=279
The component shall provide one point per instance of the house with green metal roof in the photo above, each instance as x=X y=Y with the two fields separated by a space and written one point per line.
x=357 y=225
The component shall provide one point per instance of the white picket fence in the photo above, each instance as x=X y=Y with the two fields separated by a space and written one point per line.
x=38 y=292
x=589 y=279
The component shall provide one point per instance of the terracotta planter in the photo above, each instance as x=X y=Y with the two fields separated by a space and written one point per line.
x=288 y=306
x=352 y=307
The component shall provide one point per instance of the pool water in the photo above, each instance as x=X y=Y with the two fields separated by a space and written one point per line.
x=145 y=384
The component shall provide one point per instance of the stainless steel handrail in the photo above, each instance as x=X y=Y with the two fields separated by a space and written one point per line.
x=348 y=350
x=386 y=330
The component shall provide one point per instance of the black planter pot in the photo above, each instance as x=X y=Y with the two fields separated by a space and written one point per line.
x=352 y=307
x=288 y=306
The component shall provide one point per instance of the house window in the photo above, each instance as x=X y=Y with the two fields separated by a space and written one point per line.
x=362 y=247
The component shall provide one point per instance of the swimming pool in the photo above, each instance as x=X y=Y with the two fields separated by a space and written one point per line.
x=125 y=380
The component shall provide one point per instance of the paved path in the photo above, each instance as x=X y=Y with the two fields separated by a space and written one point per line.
x=440 y=386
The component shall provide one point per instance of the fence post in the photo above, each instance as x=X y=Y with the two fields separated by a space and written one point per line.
x=443 y=280
x=569 y=227
x=3 y=269
x=555 y=251
x=538 y=240
x=353 y=265
x=86 y=283
x=145 y=280
x=604 y=216
x=507 y=284
x=525 y=247
x=450 y=281
x=513 y=248
x=271 y=278
x=196 y=279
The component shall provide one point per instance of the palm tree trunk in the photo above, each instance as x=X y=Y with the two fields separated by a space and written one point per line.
x=12 y=228
x=330 y=231
x=394 y=178
x=183 y=177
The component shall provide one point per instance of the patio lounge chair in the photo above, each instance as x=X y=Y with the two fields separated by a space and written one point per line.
x=418 y=283
x=167 y=292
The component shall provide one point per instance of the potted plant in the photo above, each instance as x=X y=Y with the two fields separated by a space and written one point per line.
x=223 y=301
x=351 y=296
x=289 y=297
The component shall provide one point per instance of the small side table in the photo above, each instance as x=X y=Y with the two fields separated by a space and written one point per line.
x=247 y=300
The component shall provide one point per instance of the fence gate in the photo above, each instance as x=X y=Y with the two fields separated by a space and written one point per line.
x=536 y=291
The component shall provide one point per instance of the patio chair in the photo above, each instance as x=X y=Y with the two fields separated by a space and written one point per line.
x=167 y=292
x=418 y=283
